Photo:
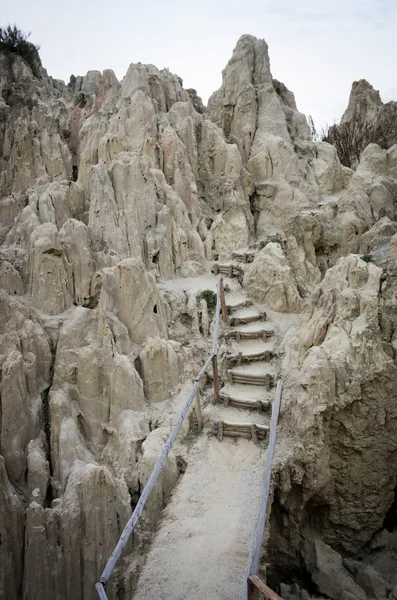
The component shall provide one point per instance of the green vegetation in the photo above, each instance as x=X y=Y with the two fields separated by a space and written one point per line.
x=367 y=257
x=14 y=41
x=210 y=298
x=190 y=438
x=276 y=240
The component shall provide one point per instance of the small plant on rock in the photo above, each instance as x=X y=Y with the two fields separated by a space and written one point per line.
x=276 y=240
x=14 y=41
x=367 y=258
x=190 y=438
x=210 y=297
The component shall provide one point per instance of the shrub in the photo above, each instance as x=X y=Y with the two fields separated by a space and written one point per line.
x=14 y=41
x=351 y=137
x=276 y=240
x=367 y=257
x=210 y=297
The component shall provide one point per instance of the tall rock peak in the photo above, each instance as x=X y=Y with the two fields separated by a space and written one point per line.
x=363 y=98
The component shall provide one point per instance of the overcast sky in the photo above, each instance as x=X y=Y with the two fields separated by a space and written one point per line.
x=317 y=48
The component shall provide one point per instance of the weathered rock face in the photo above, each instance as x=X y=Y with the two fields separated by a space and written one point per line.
x=366 y=105
x=363 y=97
x=270 y=280
x=339 y=392
x=106 y=189
x=259 y=114
x=250 y=104
x=100 y=198
x=328 y=572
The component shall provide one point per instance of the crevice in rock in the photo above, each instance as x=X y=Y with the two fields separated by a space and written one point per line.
x=134 y=498
x=228 y=119
x=181 y=463
x=255 y=212
x=53 y=251
x=390 y=522
x=138 y=367
x=293 y=524
x=285 y=564
x=46 y=417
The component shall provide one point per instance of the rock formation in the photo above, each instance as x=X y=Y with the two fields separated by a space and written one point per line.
x=107 y=189
x=365 y=102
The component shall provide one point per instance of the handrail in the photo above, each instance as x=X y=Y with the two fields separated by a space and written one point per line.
x=132 y=521
x=259 y=527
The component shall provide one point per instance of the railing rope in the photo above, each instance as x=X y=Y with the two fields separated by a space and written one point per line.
x=259 y=527
x=132 y=521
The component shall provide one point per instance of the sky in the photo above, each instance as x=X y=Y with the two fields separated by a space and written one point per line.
x=317 y=47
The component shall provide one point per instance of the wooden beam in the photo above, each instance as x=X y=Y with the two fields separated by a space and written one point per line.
x=262 y=587
x=252 y=592
x=216 y=378
x=246 y=426
x=254 y=435
x=223 y=302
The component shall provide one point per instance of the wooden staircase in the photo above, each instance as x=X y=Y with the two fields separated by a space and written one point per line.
x=247 y=369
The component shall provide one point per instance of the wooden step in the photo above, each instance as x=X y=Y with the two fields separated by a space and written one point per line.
x=249 y=431
x=227 y=270
x=242 y=391
x=236 y=376
x=244 y=256
x=250 y=334
x=238 y=358
x=242 y=320
x=259 y=405
x=238 y=305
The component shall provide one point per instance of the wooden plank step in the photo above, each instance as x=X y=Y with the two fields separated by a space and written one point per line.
x=248 y=431
x=239 y=358
x=238 y=305
x=235 y=376
x=241 y=320
x=244 y=256
x=250 y=334
x=227 y=270
x=259 y=405
x=243 y=391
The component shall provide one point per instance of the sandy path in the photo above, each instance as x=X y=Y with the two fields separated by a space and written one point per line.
x=201 y=548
